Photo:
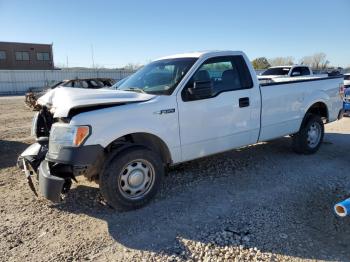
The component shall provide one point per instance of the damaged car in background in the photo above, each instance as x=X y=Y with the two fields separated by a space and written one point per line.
x=34 y=93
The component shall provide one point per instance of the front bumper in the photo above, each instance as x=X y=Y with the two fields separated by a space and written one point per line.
x=50 y=186
x=56 y=172
x=83 y=160
x=83 y=155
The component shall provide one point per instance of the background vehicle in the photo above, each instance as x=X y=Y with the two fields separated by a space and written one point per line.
x=346 y=103
x=92 y=83
x=175 y=109
x=288 y=71
x=347 y=80
x=284 y=73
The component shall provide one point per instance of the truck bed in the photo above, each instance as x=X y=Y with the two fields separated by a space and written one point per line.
x=289 y=100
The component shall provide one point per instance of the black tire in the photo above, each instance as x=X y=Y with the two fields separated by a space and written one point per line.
x=114 y=177
x=301 y=140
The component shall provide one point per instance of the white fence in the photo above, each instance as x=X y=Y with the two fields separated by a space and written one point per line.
x=18 y=81
x=14 y=82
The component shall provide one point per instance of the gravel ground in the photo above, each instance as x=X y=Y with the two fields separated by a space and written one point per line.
x=258 y=203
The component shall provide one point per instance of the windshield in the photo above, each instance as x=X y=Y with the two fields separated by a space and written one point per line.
x=279 y=71
x=347 y=77
x=56 y=85
x=160 y=77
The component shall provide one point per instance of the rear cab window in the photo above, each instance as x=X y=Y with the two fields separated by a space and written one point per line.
x=296 y=72
x=280 y=71
x=305 y=71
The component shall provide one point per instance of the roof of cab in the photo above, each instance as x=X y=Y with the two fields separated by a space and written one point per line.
x=198 y=54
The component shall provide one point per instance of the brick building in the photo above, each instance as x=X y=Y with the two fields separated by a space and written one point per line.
x=26 y=56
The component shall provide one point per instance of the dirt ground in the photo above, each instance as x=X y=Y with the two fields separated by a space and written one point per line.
x=262 y=203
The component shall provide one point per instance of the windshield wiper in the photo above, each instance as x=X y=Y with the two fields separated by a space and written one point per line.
x=135 y=89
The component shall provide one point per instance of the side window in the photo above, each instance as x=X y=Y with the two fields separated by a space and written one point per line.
x=42 y=56
x=305 y=71
x=2 y=55
x=221 y=74
x=92 y=84
x=296 y=72
x=84 y=84
x=76 y=84
x=22 y=56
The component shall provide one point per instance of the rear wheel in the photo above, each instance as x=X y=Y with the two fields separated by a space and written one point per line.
x=310 y=136
x=131 y=178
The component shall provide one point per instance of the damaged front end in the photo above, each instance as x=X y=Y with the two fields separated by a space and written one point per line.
x=37 y=169
x=58 y=156
x=60 y=153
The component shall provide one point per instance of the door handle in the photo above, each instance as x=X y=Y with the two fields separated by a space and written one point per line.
x=244 y=102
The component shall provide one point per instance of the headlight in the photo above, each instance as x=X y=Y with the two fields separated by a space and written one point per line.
x=63 y=135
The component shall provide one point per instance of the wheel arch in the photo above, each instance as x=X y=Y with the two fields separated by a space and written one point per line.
x=318 y=108
x=148 y=140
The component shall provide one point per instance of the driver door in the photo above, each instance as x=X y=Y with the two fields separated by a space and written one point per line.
x=223 y=120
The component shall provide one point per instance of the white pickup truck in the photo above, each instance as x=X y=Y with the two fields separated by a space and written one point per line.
x=175 y=109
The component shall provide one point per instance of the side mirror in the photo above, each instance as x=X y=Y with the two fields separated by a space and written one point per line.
x=296 y=73
x=201 y=90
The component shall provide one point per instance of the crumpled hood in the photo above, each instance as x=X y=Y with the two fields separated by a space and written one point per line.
x=61 y=100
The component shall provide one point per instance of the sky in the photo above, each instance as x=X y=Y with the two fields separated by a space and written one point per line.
x=130 y=31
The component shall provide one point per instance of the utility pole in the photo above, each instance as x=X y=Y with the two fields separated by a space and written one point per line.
x=52 y=58
x=67 y=61
x=92 y=56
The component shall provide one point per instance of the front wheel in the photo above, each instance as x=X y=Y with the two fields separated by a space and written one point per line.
x=310 y=136
x=131 y=178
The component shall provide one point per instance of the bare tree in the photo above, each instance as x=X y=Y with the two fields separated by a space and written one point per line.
x=316 y=61
x=281 y=61
x=260 y=63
